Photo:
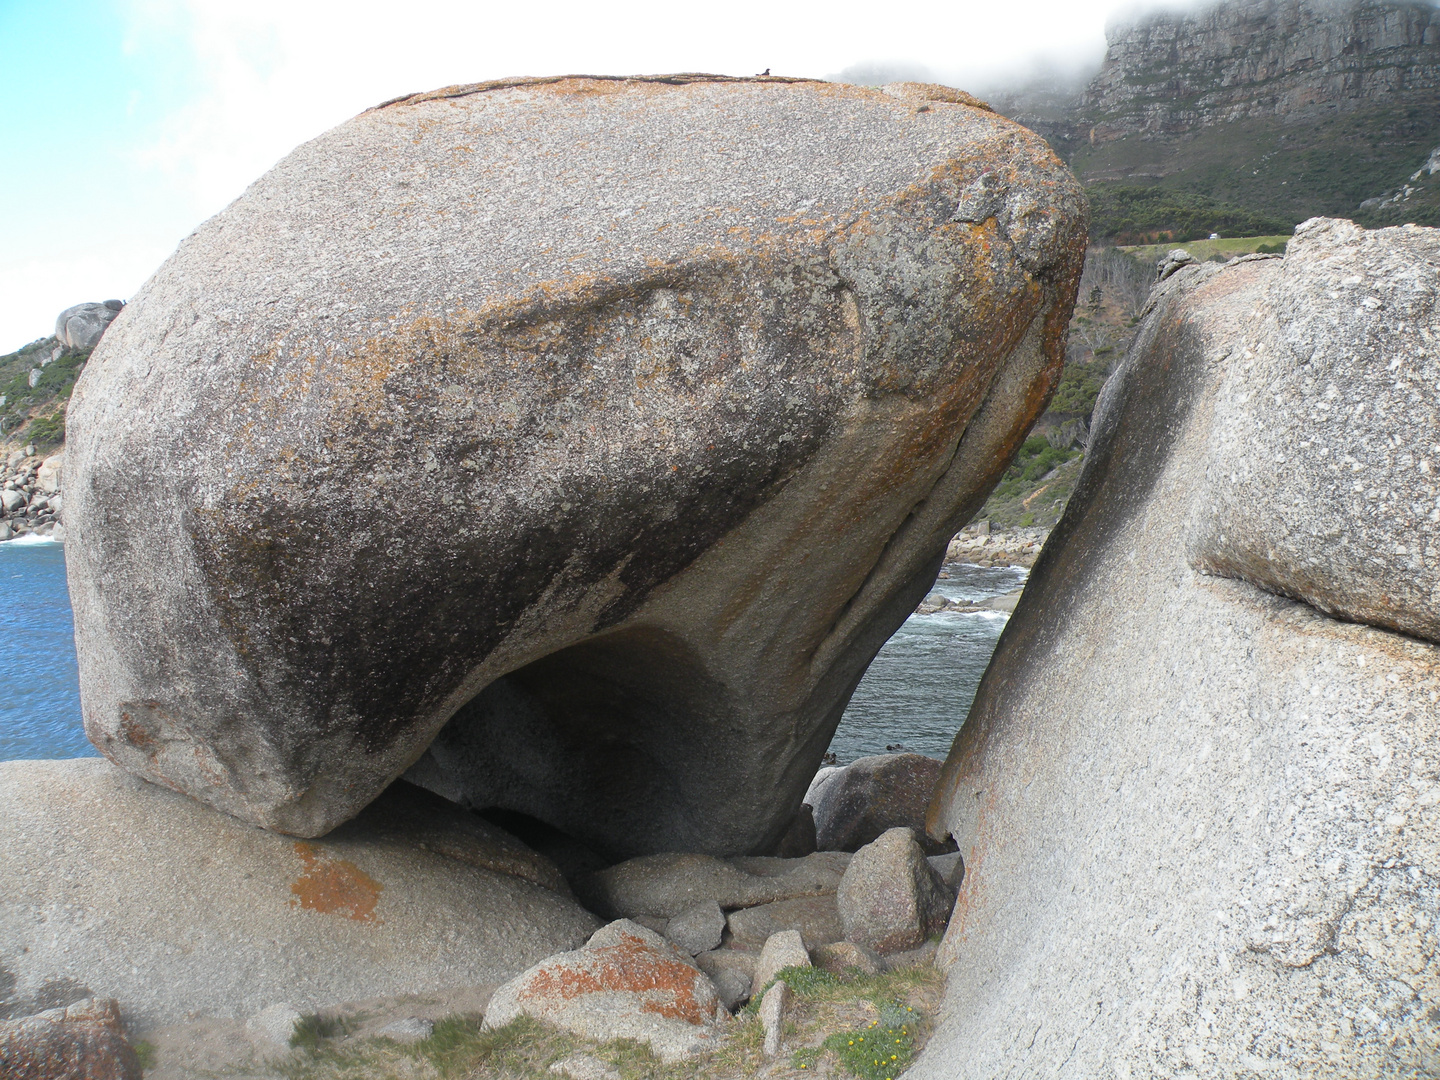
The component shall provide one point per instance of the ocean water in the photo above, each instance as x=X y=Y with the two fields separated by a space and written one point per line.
x=919 y=688
x=915 y=695
x=39 y=682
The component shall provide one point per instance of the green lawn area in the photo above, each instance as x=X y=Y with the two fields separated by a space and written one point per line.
x=1204 y=249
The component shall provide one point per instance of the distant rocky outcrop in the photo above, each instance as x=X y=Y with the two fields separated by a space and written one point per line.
x=1196 y=795
x=698 y=376
x=1173 y=71
x=80 y=328
x=1251 y=114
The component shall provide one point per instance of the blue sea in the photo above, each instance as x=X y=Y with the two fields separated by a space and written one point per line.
x=39 y=681
x=915 y=695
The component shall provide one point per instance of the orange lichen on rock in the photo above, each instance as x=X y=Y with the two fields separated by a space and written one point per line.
x=335 y=886
x=629 y=966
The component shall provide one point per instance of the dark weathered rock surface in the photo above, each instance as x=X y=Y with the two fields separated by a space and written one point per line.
x=1199 y=819
x=697 y=376
x=855 y=804
x=83 y=1041
x=116 y=887
x=891 y=899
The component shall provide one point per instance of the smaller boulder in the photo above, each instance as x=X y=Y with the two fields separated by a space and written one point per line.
x=80 y=327
x=857 y=803
x=83 y=1041
x=697 y=929
x=48 y=479
x=839 y=957
x=732 y=971
x=817 y=918
x=891 y=899
x=784 y=950
x=626 y=982
x=772 y=1016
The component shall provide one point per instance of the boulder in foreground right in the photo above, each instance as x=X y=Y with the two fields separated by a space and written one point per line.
x=1198 y=794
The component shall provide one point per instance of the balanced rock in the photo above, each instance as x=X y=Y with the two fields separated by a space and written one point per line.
x=593 y=434
x=853 y=805
x=80 y=327
x=120 y=888
x=1199 y=812
x=891 y=898
x=626 y=982
x=83 y=1041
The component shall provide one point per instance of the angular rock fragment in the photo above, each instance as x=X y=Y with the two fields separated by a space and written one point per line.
x=626 y=982
x=891 y=899
x=772 y=1016
x=699 y=376
x=784 y=950
x=732 y=971
x=697 y=929
x=83 y=1041
x=1175 y=780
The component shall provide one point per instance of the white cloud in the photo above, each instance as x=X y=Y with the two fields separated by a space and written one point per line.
x=261 y=77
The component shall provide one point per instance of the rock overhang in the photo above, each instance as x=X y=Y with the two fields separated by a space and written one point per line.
x=599 y=355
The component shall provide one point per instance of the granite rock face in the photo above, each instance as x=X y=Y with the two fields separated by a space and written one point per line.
x=698 y=375
x=118 y=888
x=1199 y=818
x=626 y=982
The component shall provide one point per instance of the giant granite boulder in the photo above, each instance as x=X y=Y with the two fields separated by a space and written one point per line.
x=1198 y=796
x=591 y=434
x=116 y=888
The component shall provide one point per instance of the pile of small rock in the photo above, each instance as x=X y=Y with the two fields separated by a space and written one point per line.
x=695 y=937
x=981 y=544
x=30 y=498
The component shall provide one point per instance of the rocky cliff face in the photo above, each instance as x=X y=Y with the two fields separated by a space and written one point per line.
x=1174 y=71
x=1283 y=109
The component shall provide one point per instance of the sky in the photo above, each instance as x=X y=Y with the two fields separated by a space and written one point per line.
x=126 y=123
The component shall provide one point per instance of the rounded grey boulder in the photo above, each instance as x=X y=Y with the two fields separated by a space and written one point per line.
x=80 y=327
x=571 y=443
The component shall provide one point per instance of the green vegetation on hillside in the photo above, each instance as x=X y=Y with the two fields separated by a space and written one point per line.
x=1079 y=387
x=36 y=413
x=1261 y=175
x=1128 y=213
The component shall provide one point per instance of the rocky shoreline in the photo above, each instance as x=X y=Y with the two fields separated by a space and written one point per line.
x=30 y=497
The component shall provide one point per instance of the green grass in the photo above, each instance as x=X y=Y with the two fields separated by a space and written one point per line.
x=144 y=1053
x=882 y=1048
